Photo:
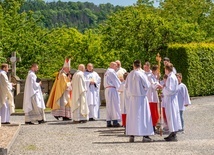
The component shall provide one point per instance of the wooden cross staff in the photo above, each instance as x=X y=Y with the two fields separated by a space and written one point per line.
x=158 y=59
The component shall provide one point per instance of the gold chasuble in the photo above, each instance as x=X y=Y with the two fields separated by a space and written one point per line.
x=59 y=88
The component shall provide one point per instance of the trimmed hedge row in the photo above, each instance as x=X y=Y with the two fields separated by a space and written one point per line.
x=196 y=63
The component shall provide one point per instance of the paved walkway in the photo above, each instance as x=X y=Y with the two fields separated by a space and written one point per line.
x=65 y=138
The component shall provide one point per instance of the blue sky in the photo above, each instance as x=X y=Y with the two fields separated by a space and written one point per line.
x=114 y=2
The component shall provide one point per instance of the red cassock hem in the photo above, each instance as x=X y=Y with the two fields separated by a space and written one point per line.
x=154 y=112
x=124 y=120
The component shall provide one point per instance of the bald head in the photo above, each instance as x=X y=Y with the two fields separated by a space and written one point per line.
x=81 y=67
x=113 y=65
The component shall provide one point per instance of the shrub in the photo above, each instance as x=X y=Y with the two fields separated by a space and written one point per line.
x=196 y=62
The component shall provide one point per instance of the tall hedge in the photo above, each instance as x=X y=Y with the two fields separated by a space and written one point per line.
x=196 y=63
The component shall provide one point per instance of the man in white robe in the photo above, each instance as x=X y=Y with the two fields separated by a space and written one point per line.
x=93 y=81
x=79 y=105
x=120 y=70
x=33 y=103
x=6 y=97
x=183 y=98
x=170 y=93
x=139 y=121
x=111 y=85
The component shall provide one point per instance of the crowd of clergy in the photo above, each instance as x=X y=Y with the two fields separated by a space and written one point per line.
x=138 y=101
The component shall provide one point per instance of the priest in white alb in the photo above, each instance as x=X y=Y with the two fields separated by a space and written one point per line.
x=120 y=71
x=139 y=121
x=33 y=103
x=60 y=97
x=93 y=81
x=170 y=93
x=79 y=101
x=111 y=85
x=6 y=97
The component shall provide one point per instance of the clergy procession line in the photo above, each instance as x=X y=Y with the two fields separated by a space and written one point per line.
x=131 y=98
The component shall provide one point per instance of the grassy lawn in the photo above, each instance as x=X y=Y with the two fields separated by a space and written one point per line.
x=21 y=111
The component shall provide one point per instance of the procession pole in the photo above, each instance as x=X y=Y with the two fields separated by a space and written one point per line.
x=158 y=59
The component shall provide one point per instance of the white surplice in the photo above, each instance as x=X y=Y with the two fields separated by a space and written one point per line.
x=79 y=104
x=120 y=72
x=148 y=73
x=183 y=96
x=139 y=121
x=152 y=92
x=174 y=70
x=111 y=85
x=93 y=93
x=170 y=93
x=6 y=98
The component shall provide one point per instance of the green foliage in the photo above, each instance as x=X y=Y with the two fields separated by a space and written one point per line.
x=190 y=20
x=195 y=62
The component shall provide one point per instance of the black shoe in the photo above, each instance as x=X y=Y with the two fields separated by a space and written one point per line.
x=83 y=121
x=172 y=139
x=29 y=123
x=166 y=137
x=170 y=135
x=147 y=139
x=117 y=125
x=6 y=123
x=42 y=121
x=57 y=117
x=91 y=119
x=76 y=122
x=131 y=139
x=109 y=125
x=66 y=119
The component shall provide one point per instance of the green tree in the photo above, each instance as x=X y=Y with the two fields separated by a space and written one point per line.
x=135 y=33
x=190 y=20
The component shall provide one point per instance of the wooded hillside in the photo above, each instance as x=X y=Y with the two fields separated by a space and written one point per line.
x=71 y=14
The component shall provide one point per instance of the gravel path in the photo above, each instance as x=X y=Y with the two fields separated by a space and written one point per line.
x=65 y=138
x=6 y=134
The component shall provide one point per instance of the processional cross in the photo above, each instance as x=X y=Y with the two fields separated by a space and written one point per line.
x=158 y=59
